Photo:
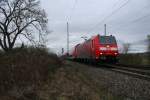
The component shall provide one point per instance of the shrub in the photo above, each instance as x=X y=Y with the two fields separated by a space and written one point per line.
x=134 y=59
x=26 y=67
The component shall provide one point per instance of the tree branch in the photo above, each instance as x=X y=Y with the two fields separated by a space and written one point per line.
x=27 y=25
x=1 y=44
x=2 y=28
x=4 y=12
x=17 y=16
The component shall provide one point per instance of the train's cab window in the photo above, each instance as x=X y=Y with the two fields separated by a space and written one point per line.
x=107 y=40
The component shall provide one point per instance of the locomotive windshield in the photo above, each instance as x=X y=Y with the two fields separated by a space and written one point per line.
x=107 y=40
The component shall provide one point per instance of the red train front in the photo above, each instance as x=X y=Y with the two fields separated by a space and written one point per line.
x=97 y=49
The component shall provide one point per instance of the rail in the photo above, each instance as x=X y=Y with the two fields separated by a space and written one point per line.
x=135 y=72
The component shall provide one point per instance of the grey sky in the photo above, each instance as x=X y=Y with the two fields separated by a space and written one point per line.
x=86 y=18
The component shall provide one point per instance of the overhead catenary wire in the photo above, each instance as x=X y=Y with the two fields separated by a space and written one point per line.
x=118 y=1
x=125 y=25
x=141 y=18
x=132 y=22
x=111 y=14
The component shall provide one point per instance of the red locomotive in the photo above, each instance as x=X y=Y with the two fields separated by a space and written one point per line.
x=97 y=49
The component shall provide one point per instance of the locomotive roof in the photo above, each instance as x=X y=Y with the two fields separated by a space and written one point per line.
x=101 y=36
x=94 y=37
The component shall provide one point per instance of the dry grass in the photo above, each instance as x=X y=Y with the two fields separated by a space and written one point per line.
x=72 y=82
x=135 y=59
x=25 y=70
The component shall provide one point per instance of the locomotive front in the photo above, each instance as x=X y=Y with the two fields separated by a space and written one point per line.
x=108 y=49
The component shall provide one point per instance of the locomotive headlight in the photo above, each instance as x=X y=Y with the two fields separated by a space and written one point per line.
x=103 y=48
x=114 y=49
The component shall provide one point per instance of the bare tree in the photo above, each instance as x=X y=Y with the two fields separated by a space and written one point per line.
x=126 y=47
x=20 y=18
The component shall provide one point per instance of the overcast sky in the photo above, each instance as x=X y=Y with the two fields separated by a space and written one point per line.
x=128 y=20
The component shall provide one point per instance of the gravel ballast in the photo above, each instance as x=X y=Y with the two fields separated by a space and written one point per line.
x=125 y=86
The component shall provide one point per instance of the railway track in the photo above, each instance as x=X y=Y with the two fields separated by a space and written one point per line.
x=135 y=72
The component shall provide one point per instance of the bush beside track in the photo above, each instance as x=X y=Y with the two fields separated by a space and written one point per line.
x=135 y=59
x=27 y=68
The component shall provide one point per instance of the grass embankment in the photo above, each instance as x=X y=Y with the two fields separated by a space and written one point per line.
x=22 y=71
x=74 y=82
x=35 y=74
x=135 y=59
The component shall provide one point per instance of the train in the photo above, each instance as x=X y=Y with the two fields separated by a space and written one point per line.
x=97 y=49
